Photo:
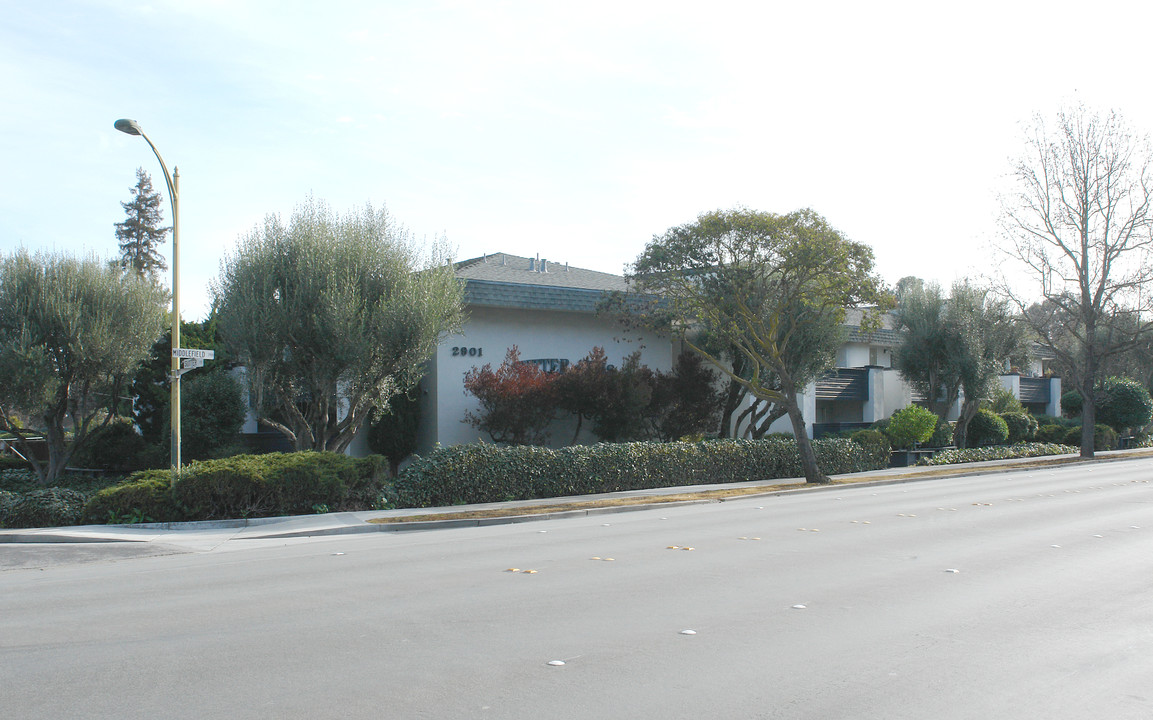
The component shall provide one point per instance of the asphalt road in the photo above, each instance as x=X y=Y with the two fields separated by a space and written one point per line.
x=1017 y=595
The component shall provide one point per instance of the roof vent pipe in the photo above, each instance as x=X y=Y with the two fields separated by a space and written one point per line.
x=544 y=266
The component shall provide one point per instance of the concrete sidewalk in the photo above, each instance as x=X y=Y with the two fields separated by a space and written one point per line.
x=212 y=533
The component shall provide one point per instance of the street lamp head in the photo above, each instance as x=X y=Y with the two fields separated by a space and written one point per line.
x=128 y=126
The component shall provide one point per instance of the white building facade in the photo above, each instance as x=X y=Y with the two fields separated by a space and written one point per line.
x=549 y=312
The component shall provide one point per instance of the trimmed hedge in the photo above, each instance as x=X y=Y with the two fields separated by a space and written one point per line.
x=146 y=495
x=876 y=443
x=247 y=486
x=481 y=473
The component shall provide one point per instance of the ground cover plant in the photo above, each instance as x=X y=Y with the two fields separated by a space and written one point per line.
x=999 y=452
x=25 y=503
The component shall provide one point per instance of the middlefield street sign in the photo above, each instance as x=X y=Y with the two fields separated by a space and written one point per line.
x=194 y=353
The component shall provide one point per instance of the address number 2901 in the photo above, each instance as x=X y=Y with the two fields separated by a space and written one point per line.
x=467 y=352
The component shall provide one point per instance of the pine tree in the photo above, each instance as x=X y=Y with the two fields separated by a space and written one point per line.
x=140 y=234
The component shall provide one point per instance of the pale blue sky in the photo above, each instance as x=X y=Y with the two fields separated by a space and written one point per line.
x=572 y=130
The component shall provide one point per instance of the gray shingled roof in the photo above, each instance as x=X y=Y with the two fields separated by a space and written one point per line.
x=503 y=280
x=531 y=297
x=882 y=337
x=511 y=281
x=512 y=269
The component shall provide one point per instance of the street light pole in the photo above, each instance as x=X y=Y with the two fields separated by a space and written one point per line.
x=131 y=127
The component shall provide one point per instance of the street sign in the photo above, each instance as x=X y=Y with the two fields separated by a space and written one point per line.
x=193 y=353
x=191 y=363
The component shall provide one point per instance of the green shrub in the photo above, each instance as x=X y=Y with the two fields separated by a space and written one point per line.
x=1104 y=437
x=1071 y=402
x=876 y=443
x=47 y=507
x=1052 y=433
x=911 y=425
x=213 y=410
x=881 y=425
x=19 y=479
x=272 y=484
x=247 y=486
x=987 y=428
x=480 y=472
x=1073 y=436
x=1043 y=420
x=1022 y=427
x=13 y=462
x=1124 y=403
x=1003 y=452
x=393 y=434
x=1004 y=401
x=942 y=435
x=7 y=502
x=115 y=447
x=144 y=494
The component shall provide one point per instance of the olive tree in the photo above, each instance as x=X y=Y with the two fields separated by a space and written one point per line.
x=928 y=357
x=955 y=348
x=333 y=315
x=1080 y=226
x=765 y=285
x=72 y=333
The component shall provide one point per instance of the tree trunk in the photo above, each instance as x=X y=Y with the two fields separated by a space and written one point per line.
x=774 y=412
x=1088 y=424
x=813 y=473
x=969 y=410
x=734 y=394
x=1089 y=407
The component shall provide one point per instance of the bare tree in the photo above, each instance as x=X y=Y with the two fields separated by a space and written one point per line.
x=1081 y=228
